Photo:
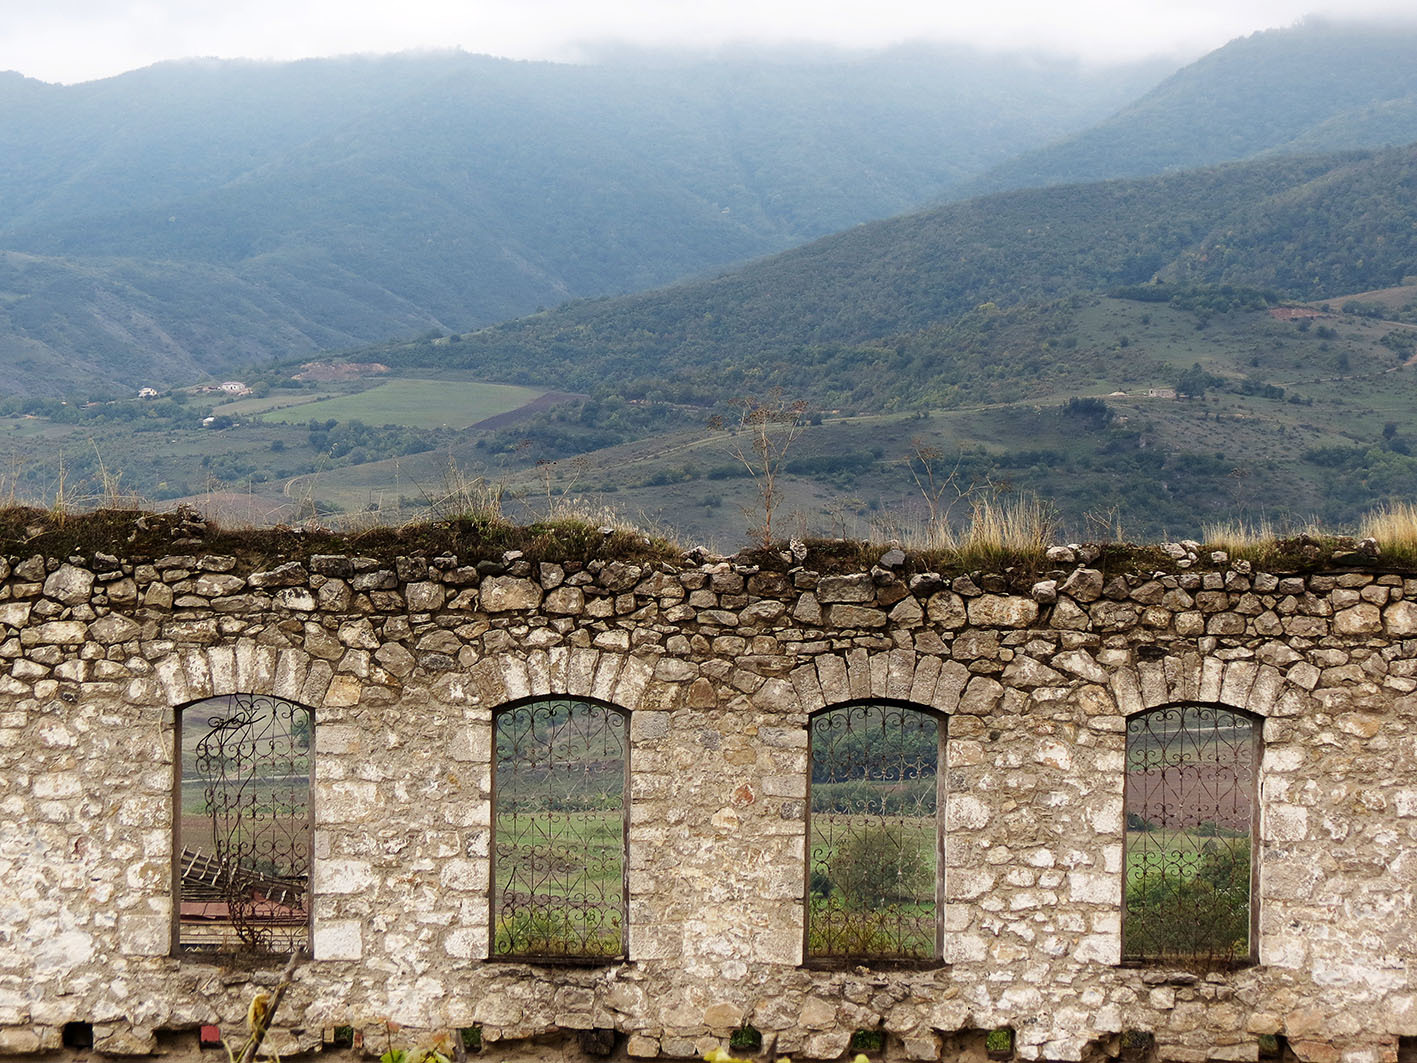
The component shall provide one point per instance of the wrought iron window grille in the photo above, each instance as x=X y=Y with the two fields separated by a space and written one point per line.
x=1191 y=854
x=245 y=764
x=874 y=845
x=560 y=835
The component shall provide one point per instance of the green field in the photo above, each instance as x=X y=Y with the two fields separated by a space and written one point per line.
x=559 y=886
x=281 y=400
x=872 y=886
x=1187 y=896
x=417 y=403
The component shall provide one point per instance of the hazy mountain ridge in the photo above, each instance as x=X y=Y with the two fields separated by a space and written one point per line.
x=1318 y=86
x=348 y=200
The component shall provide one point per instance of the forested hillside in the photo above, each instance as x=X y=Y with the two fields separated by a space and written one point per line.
x=1318 y=86
x=898 y=313
x=194 y=216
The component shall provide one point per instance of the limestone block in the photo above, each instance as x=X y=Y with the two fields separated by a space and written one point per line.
x=1284 y=823
x=946 y=609
x=15 y=614
x=855 y=616
x=636 y=674
x=1400 y=618
x=144 y=935
x=55 y=633
x=855 y=587
x=295 y=599
x=69 y=584
x=833 y=677
x=1239 y=677
x=292 y=667
x=424 y=596
x=1024 y=671
x=1084 y=585
x=344 y=692
x=922 y=1047
x=994 y=610
x=949 y=688
x=565 y=601
x=607 y=671
x=816 y=1014
x=290 y=574
x=395 y=659
x=1069 y=616
x=20 y=1041
x=123 y=1039
x=338 y=939
x=1362 y=619
x=217 y=585
x=507 y=593
x=1081 y=664
x=343 y=876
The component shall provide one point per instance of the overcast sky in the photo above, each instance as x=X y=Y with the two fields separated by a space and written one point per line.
x=78 y=40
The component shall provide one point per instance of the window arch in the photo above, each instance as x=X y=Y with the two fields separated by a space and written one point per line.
x=243 y=829
x=560 y=799
x=1192 y=817
x=873 y=888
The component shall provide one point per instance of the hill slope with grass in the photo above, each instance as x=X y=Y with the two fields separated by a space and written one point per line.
x=955 y=304
x=196 y=216
x=1317 y=86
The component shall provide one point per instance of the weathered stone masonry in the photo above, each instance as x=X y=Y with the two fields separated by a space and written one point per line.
x=405 y=658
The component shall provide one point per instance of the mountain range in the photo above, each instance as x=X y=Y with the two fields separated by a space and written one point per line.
x=195 y=216
x=1223 y=321
x=1318 y=86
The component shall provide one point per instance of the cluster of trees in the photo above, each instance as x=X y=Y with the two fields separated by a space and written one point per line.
x=1199 y=912
x=172 y=411
x=354 y=442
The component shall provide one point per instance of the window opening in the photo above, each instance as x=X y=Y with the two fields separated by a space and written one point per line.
x=243 y=833
x=1191 y=814
x=873 y=834
x=561 y=803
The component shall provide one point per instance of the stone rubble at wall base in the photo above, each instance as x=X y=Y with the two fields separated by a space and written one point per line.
x=405 y=658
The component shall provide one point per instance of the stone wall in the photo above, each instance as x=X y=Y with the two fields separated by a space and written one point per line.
x=720 y=663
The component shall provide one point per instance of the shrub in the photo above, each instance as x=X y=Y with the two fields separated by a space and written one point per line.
x=881 y=865
x=1200 y=913
x=745 y=1039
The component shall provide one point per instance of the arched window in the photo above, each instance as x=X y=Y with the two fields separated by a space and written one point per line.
x=561 y=805
x=242 y=852
x=873 y=836
x=1192 y=817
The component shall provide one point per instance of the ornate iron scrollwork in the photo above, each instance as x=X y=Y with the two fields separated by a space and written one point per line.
x=1190 y=830
x=873 y=835
x=560 y=831
x=245 y=831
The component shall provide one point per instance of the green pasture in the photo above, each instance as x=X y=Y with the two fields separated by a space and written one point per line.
x=565 y=871
x=279 y=400
x=1181 y=851
x=415 y=403
x=1187 y=896
x=871 y=886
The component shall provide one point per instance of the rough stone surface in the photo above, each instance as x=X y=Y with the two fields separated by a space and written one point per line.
x=720 y=665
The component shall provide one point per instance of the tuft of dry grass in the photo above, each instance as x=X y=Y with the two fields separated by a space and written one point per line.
x=999 y=531
x=1241 y=539
x=1394 y=526
x=463 y=497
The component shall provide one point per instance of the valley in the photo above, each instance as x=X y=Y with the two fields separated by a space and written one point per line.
x=444 y=281
x=1300 y=419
